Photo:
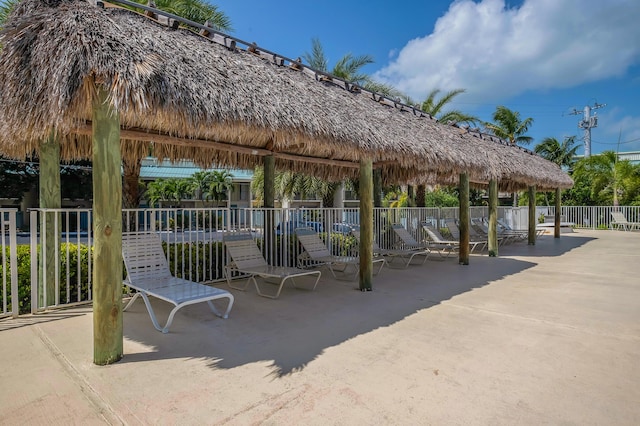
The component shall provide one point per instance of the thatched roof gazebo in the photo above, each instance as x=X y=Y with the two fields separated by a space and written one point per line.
x=195 y=98
x=94 y=80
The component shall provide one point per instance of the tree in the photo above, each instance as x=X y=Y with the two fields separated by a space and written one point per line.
x=612 y=181
x=220 y=184
x=509 y=126
x=200 y=182
x=563 y=154
x=442 y=197
x=435 y=108
x=348 y=67
x=6 y=6
x=165 y=190
x=291 y=185
x=199 y=11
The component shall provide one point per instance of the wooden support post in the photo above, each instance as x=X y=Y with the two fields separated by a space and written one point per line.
x=269 y=191
x=463 y=256
x=532 y=215
x=107 y=214
x=366 y=224
x=50 y=198
x=493 y=218
x=556 y=224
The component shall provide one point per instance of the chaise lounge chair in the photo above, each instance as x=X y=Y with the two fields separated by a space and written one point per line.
x=404 y=255
x=436 y=241
x=316 y=253
x=148 y=273
x=618 y=220
x=246 y=258
x=455 y=233
x=408 y=247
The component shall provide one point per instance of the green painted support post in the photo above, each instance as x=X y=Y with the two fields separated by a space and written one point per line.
x=50 y=198
x=493 y=218
x=556 y=224
x=463 y=255
x=532 y=215
x=366 y=225
x=107 y=214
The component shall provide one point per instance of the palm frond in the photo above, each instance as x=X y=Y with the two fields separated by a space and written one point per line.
x=316 y=58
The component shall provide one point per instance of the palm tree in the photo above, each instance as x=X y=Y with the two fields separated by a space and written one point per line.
x=199 y=11
x=289 y=185
x=435 y=108
x=612 y=180
x=195 y=10
x=156 y=192
x=220 y=184
x=348 y=67
x=200 y=184
x=6 y=6
x=563 y=154
x=509 y=126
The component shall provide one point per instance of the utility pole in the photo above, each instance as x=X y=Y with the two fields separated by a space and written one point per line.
x=587 y=123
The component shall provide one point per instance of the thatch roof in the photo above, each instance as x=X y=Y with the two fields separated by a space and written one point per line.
x=207 y=99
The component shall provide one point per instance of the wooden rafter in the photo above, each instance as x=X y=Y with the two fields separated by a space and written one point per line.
x=144 y=136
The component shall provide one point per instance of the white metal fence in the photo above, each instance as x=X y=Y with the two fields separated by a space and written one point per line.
x=50 y=264
x=9 y=288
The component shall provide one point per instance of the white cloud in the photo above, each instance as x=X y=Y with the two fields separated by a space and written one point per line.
x=620 y=126
x=495 y=52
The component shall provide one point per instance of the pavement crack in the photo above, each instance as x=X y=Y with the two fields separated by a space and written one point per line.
x=100 y=404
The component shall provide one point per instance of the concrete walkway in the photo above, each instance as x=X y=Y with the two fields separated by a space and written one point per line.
x=544 y=334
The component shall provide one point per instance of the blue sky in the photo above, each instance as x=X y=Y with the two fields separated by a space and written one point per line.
x=542 y=58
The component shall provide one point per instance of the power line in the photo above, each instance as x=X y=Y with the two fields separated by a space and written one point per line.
x=616 y=143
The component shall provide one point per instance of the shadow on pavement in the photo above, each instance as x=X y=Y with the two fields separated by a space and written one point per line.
x=294 y=329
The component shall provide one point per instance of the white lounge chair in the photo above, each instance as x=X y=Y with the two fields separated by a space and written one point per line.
x=404 y=255
x=246 y=258
x=408 y=247
x=437 y=242
x=148 y=273
x=316 y=253
x=480 y=230
x=455 y=233
x=505 y=229
x=618 y=220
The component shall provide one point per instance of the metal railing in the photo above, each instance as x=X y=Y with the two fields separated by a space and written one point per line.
x=9 y=287
x=59 y=242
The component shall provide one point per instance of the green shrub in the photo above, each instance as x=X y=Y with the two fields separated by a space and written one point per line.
x=73 y=288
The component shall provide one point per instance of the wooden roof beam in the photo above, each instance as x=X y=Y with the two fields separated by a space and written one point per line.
x=144 y=136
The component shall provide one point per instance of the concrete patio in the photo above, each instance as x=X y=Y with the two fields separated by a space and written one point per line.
x=544 y=334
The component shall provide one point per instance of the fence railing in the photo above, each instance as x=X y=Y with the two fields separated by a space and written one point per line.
x=51 y=265
x=9 y=287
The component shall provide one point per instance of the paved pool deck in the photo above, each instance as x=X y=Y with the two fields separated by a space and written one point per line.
x=544 y=334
